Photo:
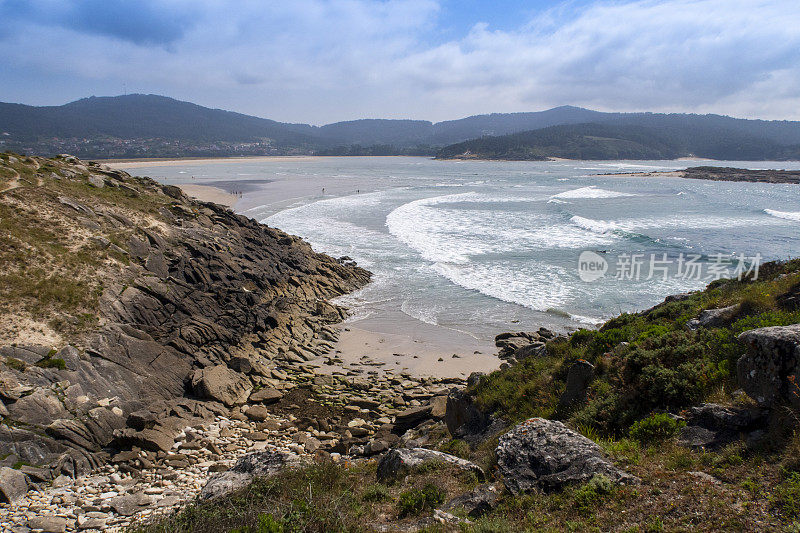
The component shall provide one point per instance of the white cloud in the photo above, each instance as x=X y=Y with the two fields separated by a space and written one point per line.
x=321 y=60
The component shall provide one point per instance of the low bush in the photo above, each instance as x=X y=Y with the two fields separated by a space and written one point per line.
x=655 y=428
x=786 y=497
x=415 y=501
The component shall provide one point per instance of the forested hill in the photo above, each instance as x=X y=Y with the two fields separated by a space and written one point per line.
x=140 y=125
x=604 y=141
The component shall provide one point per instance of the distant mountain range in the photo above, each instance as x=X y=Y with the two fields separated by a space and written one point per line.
x=156 y=126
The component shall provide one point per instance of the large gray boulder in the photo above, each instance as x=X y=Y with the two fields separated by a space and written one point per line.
x=544 y=454
x=401 y=461
x=715 y=318
x=222 y=384
x=770 y=370
x=252 y=465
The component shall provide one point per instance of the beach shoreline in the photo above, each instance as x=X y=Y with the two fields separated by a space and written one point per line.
x=207 y=193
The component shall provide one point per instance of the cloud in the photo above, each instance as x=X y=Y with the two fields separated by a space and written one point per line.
x=325 y=60
x=145 y=22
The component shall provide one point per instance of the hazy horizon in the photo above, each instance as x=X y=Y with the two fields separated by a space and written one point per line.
x=323 y=61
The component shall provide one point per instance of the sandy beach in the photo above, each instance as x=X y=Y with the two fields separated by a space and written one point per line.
x=206 y=193
x=173 y=162
x=437 y=353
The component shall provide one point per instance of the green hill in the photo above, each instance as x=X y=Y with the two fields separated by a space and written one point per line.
x=604 y=141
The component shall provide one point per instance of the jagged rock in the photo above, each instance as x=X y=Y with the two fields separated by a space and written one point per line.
x=578 y=378
x=411 y=418
x=544 y=454
x=476 y=502
x=400 y=461
x=257 y=464
x=266 y=396
x=462 y=416
x=142 y=419
x=770 y=370
x=222 y=384
x=714 y=318
x=13 y=484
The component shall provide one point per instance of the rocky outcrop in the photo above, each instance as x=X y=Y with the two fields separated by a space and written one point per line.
x=398 y=462
x=544 y=454
x=196 y=302
x=476 y=502
x=770 y=370
x=518 y=346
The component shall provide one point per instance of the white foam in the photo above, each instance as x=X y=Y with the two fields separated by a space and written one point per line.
x=786 y=215
x=591 y=192
x=595 y=226
x=536 y=286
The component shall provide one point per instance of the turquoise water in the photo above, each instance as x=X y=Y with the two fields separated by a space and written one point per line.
x=483 y=247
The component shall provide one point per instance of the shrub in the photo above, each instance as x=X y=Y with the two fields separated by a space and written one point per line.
x=415 y=501
x=457 y=447
x=786 y=497
x=587 y=496
x=376 y=493
x=15 y=364
x=55 y=362
x=656 y=428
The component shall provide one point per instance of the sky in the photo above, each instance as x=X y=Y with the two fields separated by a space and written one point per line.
x=320 y=61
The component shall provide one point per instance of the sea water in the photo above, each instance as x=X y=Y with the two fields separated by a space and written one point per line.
x=483 y=247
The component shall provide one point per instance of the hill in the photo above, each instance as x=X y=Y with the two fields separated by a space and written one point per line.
x=156 y=126
x=608 y=141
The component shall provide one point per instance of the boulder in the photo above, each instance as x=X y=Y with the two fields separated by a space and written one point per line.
x=545 y=454
x=770 y=370
x=712 y=426
x=13 y=484
x=222 y=384
x=258 y=413
x=257 y=464
x=462 y=416
x=48 y=524
x=130 y=504
x=400 y=461
x=578 y=378
x=714 y=318
x=476 y=502
x=266 y=395
x=411 y=418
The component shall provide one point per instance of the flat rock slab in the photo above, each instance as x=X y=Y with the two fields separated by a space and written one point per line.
x=544 y=454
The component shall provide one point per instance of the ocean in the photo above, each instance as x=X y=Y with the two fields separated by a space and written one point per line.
x=482 y=247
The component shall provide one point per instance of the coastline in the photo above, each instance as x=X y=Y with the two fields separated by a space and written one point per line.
x=175 y=161
x=207 y=193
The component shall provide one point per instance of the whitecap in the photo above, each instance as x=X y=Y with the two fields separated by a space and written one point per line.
x=591 y=192
x=595 y=226
x=786 y=215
